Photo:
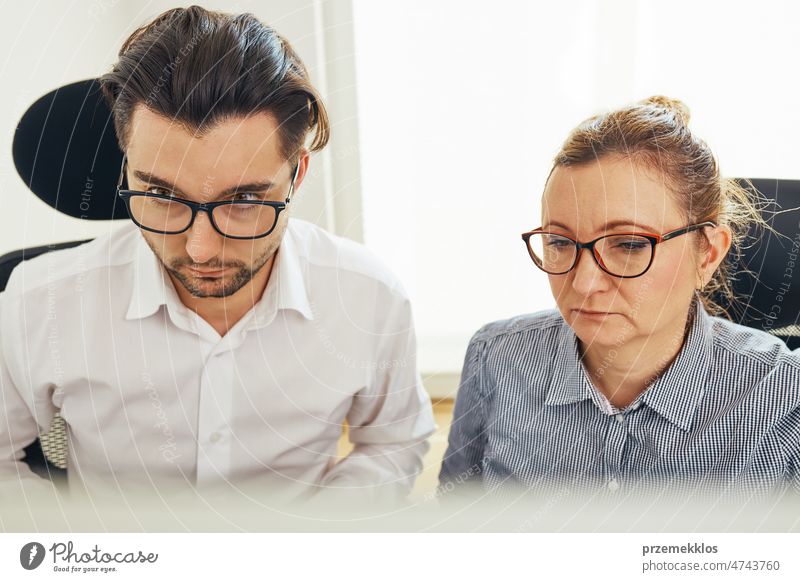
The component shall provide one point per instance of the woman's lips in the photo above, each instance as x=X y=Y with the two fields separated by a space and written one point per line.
x=590 y=314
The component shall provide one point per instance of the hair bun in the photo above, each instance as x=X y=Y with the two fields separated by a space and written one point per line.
x=674 y=106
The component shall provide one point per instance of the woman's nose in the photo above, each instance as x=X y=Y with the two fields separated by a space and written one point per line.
x=587 y=276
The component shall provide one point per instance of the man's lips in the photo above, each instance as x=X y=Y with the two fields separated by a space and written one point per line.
x=207 y=272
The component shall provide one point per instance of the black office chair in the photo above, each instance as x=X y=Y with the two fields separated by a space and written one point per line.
x=65 y=150
x=768 y=285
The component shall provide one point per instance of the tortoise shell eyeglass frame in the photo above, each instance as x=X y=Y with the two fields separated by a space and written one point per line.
x=654 y=240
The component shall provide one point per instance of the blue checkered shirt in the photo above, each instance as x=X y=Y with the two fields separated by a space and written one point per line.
x=725 y=414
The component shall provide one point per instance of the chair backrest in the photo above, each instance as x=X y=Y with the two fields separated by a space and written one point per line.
x=769 y=296
x=65 y=150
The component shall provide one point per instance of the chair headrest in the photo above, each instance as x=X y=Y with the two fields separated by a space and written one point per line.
x=65 y=150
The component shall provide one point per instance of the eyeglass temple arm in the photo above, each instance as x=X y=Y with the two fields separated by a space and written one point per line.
x=687 y=229
x=291 y=188
x=121 y=171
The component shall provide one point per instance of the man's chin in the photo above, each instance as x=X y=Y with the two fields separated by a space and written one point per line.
x=205 y=288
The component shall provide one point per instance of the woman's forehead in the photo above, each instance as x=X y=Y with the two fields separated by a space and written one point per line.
x=587 y=197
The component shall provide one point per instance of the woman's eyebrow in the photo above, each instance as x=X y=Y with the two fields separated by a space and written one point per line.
x=638 y=226
x=634 y=224
x=161 y=183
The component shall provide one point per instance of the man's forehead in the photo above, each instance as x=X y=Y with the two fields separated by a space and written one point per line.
x=256 y=134
x=233 y=149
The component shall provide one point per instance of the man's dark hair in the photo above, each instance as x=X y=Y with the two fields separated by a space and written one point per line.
x=199 y=67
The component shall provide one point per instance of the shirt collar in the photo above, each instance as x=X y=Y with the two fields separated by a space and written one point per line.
x=286 y=289
x=677 y=392
x=570 y=383
x=150 y=282
x=674 y=395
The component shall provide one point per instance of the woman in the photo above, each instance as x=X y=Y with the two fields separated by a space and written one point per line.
x=633 y=380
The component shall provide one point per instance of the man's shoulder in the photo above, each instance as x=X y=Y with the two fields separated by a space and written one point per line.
x=62 y=267
x=338 y=255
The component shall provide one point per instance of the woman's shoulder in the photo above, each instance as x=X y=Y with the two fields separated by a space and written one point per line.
x=539 y=324
x=759 y=367
x=753 y=346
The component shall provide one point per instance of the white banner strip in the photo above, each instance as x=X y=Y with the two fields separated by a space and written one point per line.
x=389 y=557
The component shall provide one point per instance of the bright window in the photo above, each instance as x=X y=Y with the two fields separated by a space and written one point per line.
x=463 y=105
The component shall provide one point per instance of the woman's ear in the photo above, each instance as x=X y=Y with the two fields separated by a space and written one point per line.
x=719 y=242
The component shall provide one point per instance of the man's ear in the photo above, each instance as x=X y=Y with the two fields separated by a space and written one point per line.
x=303 y=161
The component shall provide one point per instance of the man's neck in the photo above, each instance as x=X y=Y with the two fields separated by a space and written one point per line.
x=621 y=373
x=222 y=313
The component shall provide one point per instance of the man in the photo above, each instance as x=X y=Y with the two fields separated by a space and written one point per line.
x=215 y=340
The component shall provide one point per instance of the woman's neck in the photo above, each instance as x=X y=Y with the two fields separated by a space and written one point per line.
x=621 y=373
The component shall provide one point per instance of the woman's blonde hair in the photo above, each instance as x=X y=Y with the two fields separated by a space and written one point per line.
x=655 y=132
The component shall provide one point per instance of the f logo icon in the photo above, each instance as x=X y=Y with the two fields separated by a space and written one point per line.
x=31 y=555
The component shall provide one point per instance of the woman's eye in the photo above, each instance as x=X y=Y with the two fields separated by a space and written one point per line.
x=558 y=243
x=631 y=246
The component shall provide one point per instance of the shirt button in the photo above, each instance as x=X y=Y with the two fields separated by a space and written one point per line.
x=613 y=485
x=620 y=418
x=214 y=437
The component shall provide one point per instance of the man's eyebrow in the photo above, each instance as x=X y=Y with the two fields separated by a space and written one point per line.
x=153 y=180
x=635 y=226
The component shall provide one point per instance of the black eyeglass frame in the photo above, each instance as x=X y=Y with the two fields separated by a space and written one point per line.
x=207 y=207
x=653 y=238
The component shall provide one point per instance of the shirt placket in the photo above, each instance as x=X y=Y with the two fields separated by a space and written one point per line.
x=215 y=412
x=616 y=437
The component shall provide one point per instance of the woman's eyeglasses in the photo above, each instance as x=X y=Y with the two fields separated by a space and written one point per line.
x=626 y=255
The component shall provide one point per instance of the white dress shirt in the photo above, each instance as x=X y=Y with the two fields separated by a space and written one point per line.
x=152 y=395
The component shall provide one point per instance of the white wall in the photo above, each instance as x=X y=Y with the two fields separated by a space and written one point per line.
x=51 y=43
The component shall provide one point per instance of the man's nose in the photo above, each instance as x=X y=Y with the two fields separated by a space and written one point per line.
x=203 y=243
x=587 y=276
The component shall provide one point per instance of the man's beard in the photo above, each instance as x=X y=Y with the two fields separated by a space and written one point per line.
x=223 y=287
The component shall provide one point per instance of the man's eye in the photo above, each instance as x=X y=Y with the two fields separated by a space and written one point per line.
x=247 y=196
x=159 y=190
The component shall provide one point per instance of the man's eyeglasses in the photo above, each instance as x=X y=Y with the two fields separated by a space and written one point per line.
x=237 y=219
x=626 y=255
